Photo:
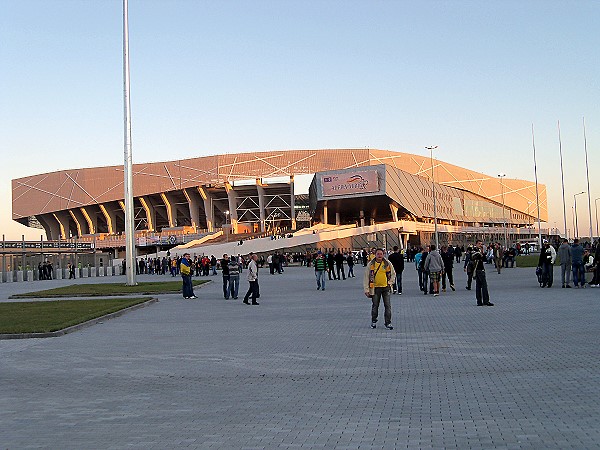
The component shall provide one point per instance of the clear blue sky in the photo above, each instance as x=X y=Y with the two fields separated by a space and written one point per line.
x=240 y=76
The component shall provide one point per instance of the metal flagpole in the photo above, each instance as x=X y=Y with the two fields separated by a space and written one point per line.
x=562 y=178
x=128 y=169
x=587 y=172
x=537 y=195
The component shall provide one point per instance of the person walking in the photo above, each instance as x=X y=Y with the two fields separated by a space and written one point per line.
x=320 y=268
x=339 y=265
x=397 y=260
x=225 y=273
x=377 y=281
x=546 y=262
x=577 y=264
x=423 y=275
x=350 y=262
x=253 y=288
x=234 y=277
x=435 y=266
x=481 y=289
x=564 y=254
x=186 y=275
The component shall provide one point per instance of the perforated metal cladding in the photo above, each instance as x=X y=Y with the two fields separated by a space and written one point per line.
x=63 y=190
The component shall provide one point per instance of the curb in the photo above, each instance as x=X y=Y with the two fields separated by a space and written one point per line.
x=79 y=326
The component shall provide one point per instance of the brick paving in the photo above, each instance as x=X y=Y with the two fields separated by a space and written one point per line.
x=304 y=370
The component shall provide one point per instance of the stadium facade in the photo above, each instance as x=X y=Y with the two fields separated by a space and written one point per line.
x=255 y=193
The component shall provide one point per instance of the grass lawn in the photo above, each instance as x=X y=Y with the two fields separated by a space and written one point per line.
x=43 y=317
x=103 y=289
x=527 y=260
x=532 y=260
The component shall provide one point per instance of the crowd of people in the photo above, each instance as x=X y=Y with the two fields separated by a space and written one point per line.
x=383 y=270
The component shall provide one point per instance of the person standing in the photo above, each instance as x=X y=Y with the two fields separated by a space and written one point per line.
x=186 y=275
x=435 y=266
x=330 y=263
x=319 y=264
x=377 y=281
x=234 y=277
x=213 y=265
x=350 y=262
x=448 y=259
x=270 y=263
x=397 y=260
x=546 y=262
x=225 y=273
x=481 y=289
x=253 y=289
x=498 y=257
x=468 y=268
x=417 y=260
x=339 y=265
x=577 y=263
x=564 y=253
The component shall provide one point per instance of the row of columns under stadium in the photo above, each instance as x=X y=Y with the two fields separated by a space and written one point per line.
x=246 y=206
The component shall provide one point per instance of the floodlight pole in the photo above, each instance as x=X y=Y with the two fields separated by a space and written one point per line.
x=575 y=213
x=128 y=166
x=596 y=204
x=587 y=172
x=562 y=178
x=537 y=195
x=435 y=225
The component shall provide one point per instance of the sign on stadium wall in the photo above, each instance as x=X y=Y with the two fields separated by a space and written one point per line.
x=358 y=182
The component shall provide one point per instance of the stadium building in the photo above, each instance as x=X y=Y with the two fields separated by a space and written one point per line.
x=257 y=193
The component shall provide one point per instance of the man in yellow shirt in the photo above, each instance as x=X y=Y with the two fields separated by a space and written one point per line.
x=377 y=283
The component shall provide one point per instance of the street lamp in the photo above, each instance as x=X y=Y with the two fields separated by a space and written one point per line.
x=575 y=213
x=502 y=175
x=437 y=241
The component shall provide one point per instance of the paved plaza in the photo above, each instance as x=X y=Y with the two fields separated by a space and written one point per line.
x=304 y=370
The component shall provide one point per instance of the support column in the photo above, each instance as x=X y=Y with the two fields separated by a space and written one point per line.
x=62 y=218
x=337 y=218
x=209 y=210
x=325 y=218
x=150 y=213
x=394 y=210
x=111 y=219
x=194 y=204
x=51 y=225
x=171 y=211
x=91 y=219
x=292 y=203
x=261 y=204
x=362 y=218
x=233 y=217
x=78 y=221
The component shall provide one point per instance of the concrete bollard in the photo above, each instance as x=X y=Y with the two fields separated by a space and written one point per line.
x=109 y=271
x=30 y=275
x=84 y=272
x=58 y=274
x=19 y=276
x=8 y=276
x=92 y=272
